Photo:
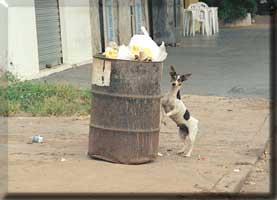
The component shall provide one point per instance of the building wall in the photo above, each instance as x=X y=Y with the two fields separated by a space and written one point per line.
x=167 y=21
x=188 y=2
x=76 y=32
x=3 y=36
x=20 y=46
x=22 y=39
x=76 y=29
x=96 y=41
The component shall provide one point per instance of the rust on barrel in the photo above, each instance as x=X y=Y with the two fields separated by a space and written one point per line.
x=125 y=114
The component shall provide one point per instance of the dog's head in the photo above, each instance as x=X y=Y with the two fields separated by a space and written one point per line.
x=177 y=79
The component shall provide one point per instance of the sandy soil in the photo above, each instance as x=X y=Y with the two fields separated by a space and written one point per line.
x=232 y=135
x=3 y=156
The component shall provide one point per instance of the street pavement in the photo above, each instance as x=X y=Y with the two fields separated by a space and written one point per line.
x=234 y=63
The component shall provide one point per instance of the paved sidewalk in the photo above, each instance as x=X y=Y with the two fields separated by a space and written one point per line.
x=258 y=180
x=235 y=62
x=233 y=134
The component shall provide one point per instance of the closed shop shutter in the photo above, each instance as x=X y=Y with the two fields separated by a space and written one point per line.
x=48 y=33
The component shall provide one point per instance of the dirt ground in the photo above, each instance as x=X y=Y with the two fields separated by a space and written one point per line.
x=3 y=155
x=232 y=135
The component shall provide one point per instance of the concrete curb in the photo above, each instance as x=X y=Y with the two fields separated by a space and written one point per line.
x=241 y=182
x=232 y=182
x=57 y=69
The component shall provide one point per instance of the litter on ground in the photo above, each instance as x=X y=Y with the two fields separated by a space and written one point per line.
x=37 y=139
x=160 y=154
x=236 y=170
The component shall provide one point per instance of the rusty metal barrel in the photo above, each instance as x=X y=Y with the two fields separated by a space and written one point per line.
x=125 y=114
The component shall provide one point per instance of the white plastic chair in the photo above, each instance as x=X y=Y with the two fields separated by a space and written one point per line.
x=213 y=19
x=190 y=16
x=207 y=16
x=204 y=19
x=213 y=16
x=202 y=4
x=199 y=12
x=187 y=14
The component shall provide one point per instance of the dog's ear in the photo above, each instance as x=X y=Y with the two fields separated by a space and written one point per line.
x=172 y=68
x=185 y=77
x=172 y=72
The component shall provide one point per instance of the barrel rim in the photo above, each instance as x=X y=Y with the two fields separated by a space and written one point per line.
x=100 y=56
x=119 y=161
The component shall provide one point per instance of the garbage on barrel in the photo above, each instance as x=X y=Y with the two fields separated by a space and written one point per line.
x=141 y=47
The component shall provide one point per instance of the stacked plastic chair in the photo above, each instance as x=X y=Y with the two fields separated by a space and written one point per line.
x=207 y=16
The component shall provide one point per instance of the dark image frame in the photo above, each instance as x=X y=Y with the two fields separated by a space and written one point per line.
x=273 y=112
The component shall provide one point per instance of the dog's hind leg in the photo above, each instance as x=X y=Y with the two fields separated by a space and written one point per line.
x=184 y=147
x=183 y=132
x=192 y=137
x=188 y=154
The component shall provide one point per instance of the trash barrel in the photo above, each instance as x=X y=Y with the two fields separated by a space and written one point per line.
x=125 y=114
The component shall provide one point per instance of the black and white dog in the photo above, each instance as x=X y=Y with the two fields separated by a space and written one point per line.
x=174 y=108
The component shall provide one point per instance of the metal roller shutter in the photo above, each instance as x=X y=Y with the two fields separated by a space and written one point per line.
x=48 y=33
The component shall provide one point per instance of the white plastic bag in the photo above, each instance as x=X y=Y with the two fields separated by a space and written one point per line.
x=144 y=43
x=163 y=54
x=124 y=53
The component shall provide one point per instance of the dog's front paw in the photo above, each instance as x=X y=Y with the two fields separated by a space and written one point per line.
x=187 y=155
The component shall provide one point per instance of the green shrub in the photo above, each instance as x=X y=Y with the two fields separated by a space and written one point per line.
x=42 y=99
x=231 y=10
x=212 y=3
